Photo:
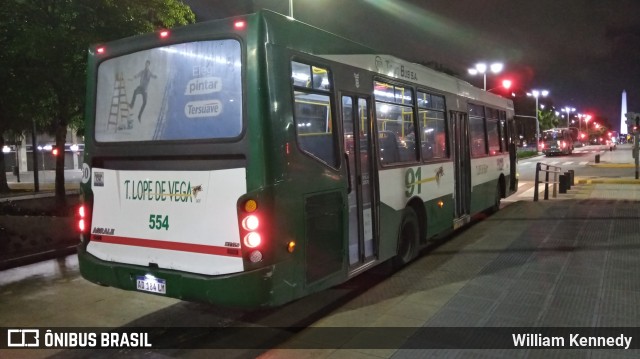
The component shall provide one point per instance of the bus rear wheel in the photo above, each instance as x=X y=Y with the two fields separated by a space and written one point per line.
x=407 y=238
x=498 y=197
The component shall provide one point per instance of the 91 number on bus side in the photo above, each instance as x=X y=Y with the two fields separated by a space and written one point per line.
x=412 y=179
x=158 y=221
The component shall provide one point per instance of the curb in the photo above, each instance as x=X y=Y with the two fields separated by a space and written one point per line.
x=612 y=165
x=608 y=181
x=30 y=258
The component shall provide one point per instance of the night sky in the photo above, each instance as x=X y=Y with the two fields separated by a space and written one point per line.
x=585 y=52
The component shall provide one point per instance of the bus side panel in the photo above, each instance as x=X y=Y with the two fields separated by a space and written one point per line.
x=485 y=174
x=432 y=183
x=324 y=234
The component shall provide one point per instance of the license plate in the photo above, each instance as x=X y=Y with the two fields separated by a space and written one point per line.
x=151 y=284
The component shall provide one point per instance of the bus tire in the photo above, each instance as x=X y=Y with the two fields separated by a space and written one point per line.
x=497 y=198
x=408 y=238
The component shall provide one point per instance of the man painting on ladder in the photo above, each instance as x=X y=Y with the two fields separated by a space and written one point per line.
x=145 y=76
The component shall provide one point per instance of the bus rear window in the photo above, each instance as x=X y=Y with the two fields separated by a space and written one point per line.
x=185 y=91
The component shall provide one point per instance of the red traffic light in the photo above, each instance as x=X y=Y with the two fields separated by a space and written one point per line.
x=54 y=151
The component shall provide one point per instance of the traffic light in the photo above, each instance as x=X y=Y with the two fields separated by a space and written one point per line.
x=633 y=122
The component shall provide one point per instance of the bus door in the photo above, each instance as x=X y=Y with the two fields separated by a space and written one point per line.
x=360 y=170
x=462 y=164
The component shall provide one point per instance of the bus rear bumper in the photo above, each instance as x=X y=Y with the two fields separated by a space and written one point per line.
x=252 y=289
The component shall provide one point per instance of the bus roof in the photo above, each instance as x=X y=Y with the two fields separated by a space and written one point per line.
x=282 y=30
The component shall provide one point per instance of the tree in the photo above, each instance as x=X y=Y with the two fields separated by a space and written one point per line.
x=547 y=119
x=46 y=44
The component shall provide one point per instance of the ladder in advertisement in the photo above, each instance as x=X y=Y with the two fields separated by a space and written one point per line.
x=119 y=106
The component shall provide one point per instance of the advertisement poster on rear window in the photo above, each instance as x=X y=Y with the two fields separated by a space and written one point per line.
x=185 y=91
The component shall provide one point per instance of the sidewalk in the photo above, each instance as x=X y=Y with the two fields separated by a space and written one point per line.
x=622 y=157
x=24 y=189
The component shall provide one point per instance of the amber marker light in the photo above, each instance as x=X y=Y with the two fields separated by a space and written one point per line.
x=440 y=204
x=291 y=246
x=250 y=206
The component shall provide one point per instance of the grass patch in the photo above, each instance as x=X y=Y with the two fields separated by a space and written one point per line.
x=527 y=154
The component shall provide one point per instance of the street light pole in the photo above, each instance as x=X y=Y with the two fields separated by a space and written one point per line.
x=568 y=110
x=537 y=123
x=536 y=94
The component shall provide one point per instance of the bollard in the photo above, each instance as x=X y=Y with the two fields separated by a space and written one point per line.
x=597 y=158
x=568 y=180
x=563 y=183
x=571 y=178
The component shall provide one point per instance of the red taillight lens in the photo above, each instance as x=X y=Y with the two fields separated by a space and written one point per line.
x=250 y=229
x=81 y=218
x=164 y=34
x=239 y=25
x=251 y=223
x=252 y=239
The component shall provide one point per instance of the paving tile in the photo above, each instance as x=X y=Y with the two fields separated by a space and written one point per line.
x=454 y=318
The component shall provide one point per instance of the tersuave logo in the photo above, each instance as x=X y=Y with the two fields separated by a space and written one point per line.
x=209 y=108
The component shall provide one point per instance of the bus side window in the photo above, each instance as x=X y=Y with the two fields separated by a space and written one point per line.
x=312 y=113
x=388 y=147
x=432 y=126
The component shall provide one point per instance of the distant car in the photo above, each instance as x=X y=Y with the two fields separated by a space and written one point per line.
x=556 y=141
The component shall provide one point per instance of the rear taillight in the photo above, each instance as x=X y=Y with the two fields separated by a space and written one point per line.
x=250 y=225
x=251 y=222
x=252 y=239
x=82 y=216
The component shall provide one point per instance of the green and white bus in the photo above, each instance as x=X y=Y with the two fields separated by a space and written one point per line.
x=254 y=160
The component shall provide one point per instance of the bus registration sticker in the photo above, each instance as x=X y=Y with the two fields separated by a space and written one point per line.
x=149 y=283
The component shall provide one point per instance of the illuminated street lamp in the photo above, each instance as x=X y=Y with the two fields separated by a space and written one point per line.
x=536 y=94
x=481 y=68
x=568 y=110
